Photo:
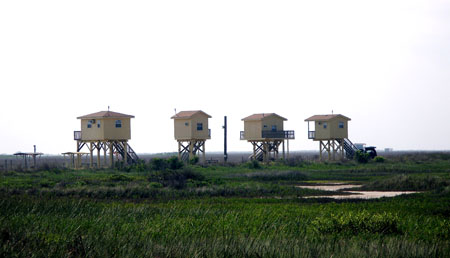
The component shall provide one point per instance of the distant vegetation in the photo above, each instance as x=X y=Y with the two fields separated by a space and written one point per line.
x=165 y=208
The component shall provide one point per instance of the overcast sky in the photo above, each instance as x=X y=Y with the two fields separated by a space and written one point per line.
x=384 y=64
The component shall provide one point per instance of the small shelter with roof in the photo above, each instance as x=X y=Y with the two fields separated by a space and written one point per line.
x=109 y=131
x=191 y=132
x=265 y=131
x=332 y=133
x=29 y=155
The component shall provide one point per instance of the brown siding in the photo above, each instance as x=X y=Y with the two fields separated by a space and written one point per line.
x=113 y=133
x=203 y=134
x=252 y=130
x=93 y=133
x=272 y=120
x=332 y=131
x=183 y=132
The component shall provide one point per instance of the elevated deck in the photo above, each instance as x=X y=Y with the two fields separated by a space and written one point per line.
x=267 y=135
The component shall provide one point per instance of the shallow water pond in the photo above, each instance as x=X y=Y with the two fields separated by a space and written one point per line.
x=353 y=194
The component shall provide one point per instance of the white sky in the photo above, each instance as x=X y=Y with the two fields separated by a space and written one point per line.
x=384 y=64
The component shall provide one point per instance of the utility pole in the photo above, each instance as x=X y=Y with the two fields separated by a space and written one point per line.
x=225 y=154
x=34 y=157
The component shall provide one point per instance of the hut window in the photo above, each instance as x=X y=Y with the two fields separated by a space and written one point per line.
x=186 y=124
x=98 y=124
x=199 y=126
x=89 y=124
x=325 y=125
x=118 y=123
x=265 y=126
x=274 y=128
x=341 y=124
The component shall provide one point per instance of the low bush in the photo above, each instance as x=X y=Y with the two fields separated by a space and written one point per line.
x=277 y=175
x=379 y=159
x=362 y=157
x=355 y=223
x=408 y=183
x=158 y=164
x=175 y=178
x=254 y=164
x=175 y=163
x=120 y=177
x=194 y=160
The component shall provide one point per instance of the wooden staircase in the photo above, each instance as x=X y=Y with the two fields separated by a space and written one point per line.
x=132 y=157
x=349 y=148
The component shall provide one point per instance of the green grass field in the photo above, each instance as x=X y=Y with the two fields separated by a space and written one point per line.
x=228 y=211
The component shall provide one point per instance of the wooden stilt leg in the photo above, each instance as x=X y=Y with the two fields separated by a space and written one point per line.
x=111 y=155
x=125 y=150
x=98 y=155
x=204 y=154
x=91 y=156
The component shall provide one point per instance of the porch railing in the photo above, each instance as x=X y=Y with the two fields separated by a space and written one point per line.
x=273 y=135
x=77 y=135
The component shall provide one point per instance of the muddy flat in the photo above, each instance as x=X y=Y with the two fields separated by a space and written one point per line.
x=353 y=194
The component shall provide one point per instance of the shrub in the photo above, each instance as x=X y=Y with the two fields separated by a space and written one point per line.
x=362 y=157
x=158 y=164
x=194 y=160
x=408 y=183
x=379 y=159
x=140 y=166
x=175 y=178
x=120 y=177
x=254 y=164
x=354 y=223
x=277 y=175
x=155 y=185
x=175 y=163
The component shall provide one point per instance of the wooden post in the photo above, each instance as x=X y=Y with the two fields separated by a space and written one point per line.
x=320 y=150
x=287 y=143
x=91 y=156
x=328 y=149
x=254 y=149
x=266 y=152
x=105 y=147
x=334 y=149
x=204 y=154
x=98 y=155
x=191 y=149
x=179 y=150
x=284 y=153
x=111 y=155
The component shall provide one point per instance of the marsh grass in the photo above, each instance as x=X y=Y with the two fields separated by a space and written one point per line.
x=227 y=211
x=239 y=227
x=408 y=183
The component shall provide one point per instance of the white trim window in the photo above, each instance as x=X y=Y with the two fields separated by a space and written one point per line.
x=118 y=123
